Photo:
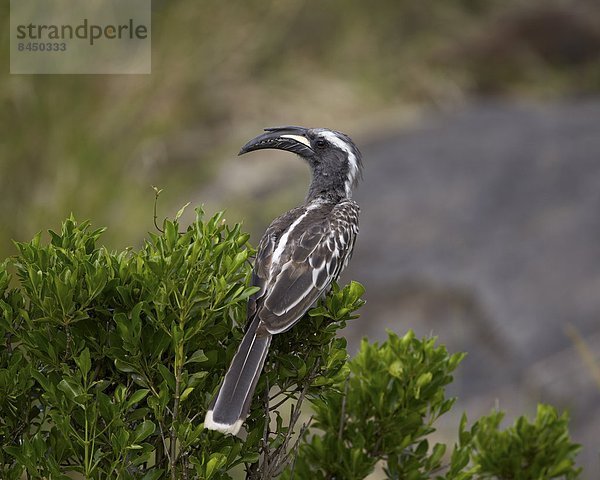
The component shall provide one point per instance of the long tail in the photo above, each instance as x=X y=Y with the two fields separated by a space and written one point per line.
x=231 y=404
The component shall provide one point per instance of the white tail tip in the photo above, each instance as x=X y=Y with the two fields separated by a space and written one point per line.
x=210 y=424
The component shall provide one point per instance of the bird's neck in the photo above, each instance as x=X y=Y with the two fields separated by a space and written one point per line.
x=326 y=189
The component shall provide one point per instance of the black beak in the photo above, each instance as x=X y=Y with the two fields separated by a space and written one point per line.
x=292 y=139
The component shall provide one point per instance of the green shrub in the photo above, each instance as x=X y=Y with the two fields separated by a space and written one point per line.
x=109 y=360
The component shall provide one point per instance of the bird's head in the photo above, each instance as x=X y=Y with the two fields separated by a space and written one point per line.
x=333 y=157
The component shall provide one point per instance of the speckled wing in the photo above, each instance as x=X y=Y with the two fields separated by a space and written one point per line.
x=314 y=254
x=264 y=256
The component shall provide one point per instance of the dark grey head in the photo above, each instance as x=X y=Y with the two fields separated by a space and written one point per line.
x=334 y=160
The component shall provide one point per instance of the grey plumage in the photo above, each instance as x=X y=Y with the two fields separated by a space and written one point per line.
x=301 y=253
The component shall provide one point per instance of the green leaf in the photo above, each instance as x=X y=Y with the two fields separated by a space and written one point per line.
x=197 y=357
x=167 y=375
x=216 y=461
x=186 y=393
x=144 y=430
x=356 y=291
x=154 y=474
x=424 y=379
x=395 y=369
x=436 y=455
x=70 y=388
x=137 y=397
x=181 y=210
x=124 y=366
x=84 y=362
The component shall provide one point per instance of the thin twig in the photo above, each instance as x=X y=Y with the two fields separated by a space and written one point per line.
x=288 y=396
x=266 y=431
x=273 y=463
x=282 y=455
x=296 y=446
x=162 y=434
x=184 y=464
x=157 y=192
x=275 y=395
x=178 y=367
x=251 y=470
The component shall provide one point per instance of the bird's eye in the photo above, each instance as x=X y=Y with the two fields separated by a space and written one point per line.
x=320 y=143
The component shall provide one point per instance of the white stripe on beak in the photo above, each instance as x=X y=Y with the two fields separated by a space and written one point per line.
x=298 y=138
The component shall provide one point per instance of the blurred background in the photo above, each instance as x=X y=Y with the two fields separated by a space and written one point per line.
x=479 y=122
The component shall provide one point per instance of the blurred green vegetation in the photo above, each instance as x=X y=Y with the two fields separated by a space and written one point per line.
x=93 y=145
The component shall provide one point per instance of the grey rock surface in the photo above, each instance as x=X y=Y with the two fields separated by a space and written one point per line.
x=482 y=227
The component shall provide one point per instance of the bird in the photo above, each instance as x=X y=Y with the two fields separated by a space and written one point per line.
x=300 y=255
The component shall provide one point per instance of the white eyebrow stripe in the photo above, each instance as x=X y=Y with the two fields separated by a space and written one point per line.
x=298 y=138
x=335 y=140
x=353 y=164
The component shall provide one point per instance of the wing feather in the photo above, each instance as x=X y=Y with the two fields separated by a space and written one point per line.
x=313 y=258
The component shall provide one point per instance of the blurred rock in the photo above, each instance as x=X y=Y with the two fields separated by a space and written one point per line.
x=482 y=227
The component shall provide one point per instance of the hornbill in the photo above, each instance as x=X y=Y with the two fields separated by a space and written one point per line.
x=301 y=253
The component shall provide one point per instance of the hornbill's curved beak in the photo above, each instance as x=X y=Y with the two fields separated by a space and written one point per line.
x=293 y=139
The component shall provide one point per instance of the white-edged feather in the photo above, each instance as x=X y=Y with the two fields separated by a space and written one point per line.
x=284 y=238
x=210 y=424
